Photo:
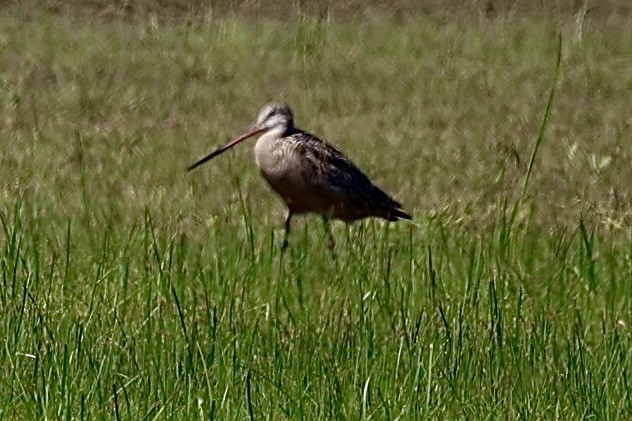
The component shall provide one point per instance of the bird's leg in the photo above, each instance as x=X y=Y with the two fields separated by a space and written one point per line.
x=331 y=243
x=288 y=220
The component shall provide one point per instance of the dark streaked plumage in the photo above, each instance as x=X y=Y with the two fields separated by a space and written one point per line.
x=310 y=175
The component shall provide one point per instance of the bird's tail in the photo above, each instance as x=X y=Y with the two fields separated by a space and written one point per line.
x=395 y=214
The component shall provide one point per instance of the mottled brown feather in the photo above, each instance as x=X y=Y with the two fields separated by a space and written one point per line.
x=332 y=174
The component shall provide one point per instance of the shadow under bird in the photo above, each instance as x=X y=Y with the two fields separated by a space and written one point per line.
x=310 y=175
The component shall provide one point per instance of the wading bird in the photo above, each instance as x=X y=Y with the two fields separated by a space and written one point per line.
x=310 y=175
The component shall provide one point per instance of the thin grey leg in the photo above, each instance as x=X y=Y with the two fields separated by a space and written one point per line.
x=288 y=221
x=331 y=243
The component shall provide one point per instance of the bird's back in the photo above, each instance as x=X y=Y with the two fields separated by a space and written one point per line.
x=349 y=193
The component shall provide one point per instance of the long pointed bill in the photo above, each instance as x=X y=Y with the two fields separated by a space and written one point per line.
x=254 y=130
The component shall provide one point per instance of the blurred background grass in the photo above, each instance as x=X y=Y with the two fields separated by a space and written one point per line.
x=343 y=9
x=440 y=108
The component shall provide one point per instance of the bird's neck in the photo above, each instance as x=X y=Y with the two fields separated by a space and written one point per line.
x=282 y=131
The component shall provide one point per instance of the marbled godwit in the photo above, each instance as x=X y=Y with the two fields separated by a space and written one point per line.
x=310 y=175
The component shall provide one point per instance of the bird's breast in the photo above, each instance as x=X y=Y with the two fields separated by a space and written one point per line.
x=281 y=165
x=276 y=158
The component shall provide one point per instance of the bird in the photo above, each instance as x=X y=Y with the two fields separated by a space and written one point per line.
x=309 y=174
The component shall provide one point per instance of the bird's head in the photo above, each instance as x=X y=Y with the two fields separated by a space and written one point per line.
x=275 y=116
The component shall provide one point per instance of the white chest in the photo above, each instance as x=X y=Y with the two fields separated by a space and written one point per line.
x=273 y=156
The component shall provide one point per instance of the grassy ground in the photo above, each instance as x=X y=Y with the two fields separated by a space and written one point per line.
x=133 y=290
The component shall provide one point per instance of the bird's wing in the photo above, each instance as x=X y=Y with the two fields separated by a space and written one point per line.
x=332 y=171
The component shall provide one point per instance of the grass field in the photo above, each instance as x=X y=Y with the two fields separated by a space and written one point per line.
x=131 y=289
